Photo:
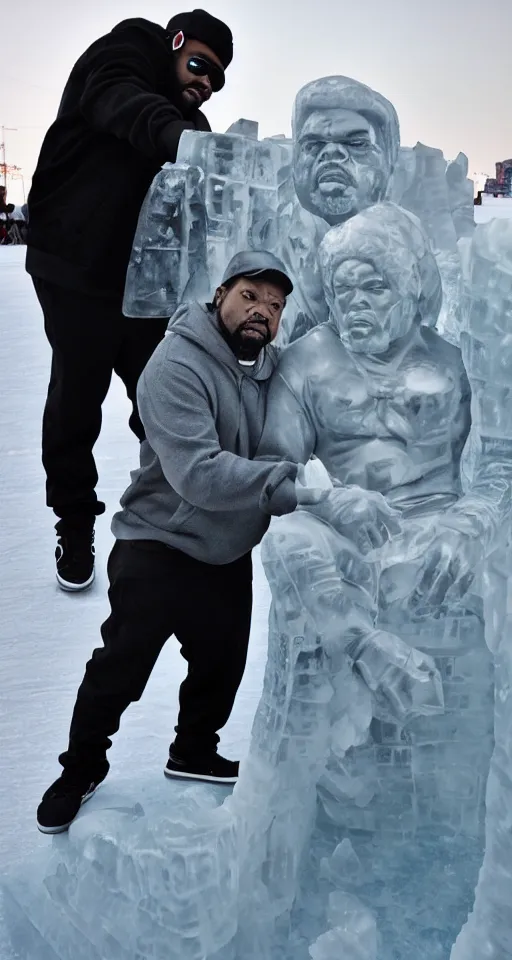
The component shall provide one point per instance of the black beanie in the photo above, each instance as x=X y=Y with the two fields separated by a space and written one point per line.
x=200 y=25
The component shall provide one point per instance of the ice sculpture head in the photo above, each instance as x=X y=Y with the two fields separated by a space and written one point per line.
x=346 y=142
x=380 y=277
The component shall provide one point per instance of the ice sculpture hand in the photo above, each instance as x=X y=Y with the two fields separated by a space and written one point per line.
x=313 y=483
x=405 y=682
x=362 y=516
x=449 y=567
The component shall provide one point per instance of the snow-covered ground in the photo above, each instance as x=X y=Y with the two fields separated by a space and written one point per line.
x=491 y=208
x=46 y=636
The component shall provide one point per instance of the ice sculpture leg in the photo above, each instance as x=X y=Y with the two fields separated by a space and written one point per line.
x=275 y=798
x=323 y=604
x=400 y=809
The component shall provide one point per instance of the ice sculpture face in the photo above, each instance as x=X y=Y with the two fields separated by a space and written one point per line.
x=339 y=167
x=346 y=141
x=368 y=310
x=379 y=268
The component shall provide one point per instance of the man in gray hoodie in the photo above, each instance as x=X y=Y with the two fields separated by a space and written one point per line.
x=196 y=507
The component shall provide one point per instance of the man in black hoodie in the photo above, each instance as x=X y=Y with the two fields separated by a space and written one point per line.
x=126 y=103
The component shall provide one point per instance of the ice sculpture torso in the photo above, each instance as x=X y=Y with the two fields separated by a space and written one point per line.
x=397 y=425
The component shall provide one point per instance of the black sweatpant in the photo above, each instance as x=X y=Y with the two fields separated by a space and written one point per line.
x=90 y=339
x=156 y=592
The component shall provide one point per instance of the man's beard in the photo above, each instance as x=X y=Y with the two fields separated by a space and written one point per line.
x=189 y=107
x=243 y=347
x=357 y=191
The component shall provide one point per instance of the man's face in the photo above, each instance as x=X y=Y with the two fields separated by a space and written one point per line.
x=195 y=89
x=339 y=167
x=370 y=313
x=250 y=310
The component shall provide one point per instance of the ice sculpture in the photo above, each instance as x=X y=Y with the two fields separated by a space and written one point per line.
x=231 y=191
x=384 y=401
x=345 y=145
x=223 y=194
x=441 y=195
x=486 y=345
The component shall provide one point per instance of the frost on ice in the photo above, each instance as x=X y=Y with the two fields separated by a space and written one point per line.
x=358 y=826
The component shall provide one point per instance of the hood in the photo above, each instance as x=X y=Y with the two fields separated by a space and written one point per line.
x=146 y=25
x=155 y=31
x=195 y=322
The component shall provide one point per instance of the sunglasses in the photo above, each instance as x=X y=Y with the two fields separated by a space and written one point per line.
x=201 y=67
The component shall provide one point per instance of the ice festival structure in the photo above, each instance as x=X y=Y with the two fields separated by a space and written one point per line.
x=373 y=815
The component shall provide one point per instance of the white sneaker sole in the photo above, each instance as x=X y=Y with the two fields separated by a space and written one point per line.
x=74 y=587
x=50 y=831
x=174 y=775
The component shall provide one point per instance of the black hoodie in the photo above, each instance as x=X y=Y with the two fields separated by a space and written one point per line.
x=119 y=120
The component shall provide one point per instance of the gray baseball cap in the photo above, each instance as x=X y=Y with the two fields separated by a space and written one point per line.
x=254 y=263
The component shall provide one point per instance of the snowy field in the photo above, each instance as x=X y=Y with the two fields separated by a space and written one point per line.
x=47 y=636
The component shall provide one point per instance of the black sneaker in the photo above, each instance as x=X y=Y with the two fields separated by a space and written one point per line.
x=75 y=554
x=214 y=769
x=62 y=801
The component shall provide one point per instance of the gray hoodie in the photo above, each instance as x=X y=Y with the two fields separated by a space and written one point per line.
x=197 y=488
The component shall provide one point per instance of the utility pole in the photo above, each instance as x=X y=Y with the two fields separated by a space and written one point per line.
x=2 y=145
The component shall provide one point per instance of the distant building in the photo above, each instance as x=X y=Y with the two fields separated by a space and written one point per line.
x=501 y=184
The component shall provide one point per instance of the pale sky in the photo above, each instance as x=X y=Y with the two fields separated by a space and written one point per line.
x=445 y=64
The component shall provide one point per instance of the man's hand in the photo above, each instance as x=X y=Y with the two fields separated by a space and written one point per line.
x=362 y=516
x=449 y=567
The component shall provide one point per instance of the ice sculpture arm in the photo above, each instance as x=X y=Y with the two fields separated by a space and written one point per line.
x=362 y=516
x=119 y=97
x=465 y=535
x=176 y=412
x=485 y=510
x=471 y=529
x=288 y=432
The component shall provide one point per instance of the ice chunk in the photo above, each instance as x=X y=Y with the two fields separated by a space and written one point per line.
x=223 y=195
x=344 y=866
x=353 y=935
